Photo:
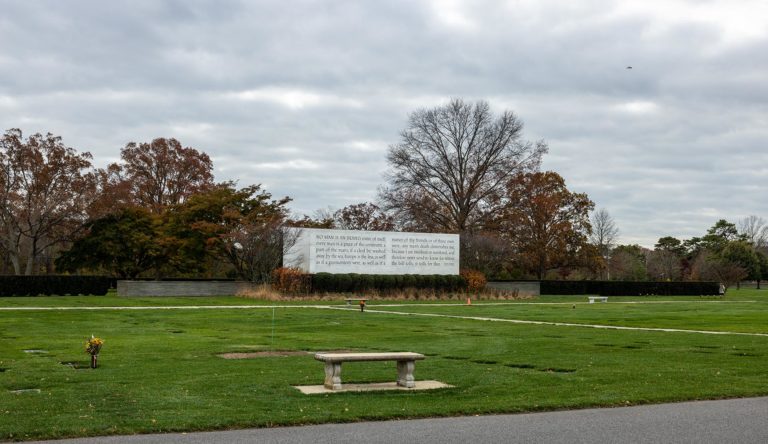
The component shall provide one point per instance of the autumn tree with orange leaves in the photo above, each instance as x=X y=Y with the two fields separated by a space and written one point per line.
x=155 y=175
x=45 y=188
x=547 y=224
x=363 y=216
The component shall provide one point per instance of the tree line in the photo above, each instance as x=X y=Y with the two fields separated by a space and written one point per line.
x=727 y=253
x=456 y=168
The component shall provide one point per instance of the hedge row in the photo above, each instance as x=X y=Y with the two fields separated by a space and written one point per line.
x=53 y=285
x=629 y=288
x=179 y=279
x=352 y=282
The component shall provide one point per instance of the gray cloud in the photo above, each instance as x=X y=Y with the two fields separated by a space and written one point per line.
x=305 y=96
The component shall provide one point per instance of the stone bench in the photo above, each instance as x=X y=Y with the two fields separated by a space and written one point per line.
x=592 y=299
x=406 y=361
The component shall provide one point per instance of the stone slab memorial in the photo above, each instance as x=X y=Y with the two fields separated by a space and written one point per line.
x=517 y=288
x=183 y=288
x=316 y=250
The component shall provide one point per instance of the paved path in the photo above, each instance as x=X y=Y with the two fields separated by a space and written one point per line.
x=326 y=306
x=372 y=309
x=742 y=421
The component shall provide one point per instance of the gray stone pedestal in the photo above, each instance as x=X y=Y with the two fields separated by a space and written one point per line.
x=405 y=374
x=333 y=375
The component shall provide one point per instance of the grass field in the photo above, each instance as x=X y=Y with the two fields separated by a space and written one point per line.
x=160 y=370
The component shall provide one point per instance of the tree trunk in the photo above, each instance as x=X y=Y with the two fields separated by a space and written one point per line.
x=30 y=268
x=15 y=262
x=12 y=244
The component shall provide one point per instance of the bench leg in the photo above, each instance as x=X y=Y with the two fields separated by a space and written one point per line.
x=405 y=374
x=333 y=375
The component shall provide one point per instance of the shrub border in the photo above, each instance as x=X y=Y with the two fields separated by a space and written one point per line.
x=18 y=286
x=354 y=282
x=630 y=288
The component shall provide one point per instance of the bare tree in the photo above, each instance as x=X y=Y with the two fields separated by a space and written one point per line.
x=604 y=231
x=454 y=159
x=485 y=252
x=324 y=216
x=755 y=230
x=604 y=235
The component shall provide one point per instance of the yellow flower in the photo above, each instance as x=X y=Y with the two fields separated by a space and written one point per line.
x=93 y=346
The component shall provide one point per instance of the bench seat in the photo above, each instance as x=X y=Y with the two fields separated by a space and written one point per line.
x=406 y=361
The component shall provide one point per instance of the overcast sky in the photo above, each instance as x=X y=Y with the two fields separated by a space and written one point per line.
x=306 y=96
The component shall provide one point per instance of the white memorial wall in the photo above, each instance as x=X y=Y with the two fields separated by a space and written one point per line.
x=372 y=252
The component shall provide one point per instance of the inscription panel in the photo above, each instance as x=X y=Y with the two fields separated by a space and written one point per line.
x=373 y=252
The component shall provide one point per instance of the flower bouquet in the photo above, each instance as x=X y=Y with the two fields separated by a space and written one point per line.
x=93 y=347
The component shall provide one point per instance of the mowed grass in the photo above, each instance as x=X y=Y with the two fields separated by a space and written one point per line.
x=718 y=316
x=159 y=369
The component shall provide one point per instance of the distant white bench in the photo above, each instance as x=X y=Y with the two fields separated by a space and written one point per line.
x=406 y=361
x=349 y=300
x=592 y=299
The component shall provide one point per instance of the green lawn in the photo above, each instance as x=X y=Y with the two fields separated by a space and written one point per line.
x=727 y=316
x=159 y=369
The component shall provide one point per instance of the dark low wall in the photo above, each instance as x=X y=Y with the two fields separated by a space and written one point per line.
x=54 y=285
x=630 y=288
x=522 y=288
x=182 y=288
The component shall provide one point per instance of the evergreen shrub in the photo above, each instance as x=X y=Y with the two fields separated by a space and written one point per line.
x=54 y=285
x=630 y=288
x=354 y=282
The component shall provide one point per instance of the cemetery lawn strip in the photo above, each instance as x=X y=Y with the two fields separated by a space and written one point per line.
x=159 y=371
x=727 y=316
x=112 y=300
